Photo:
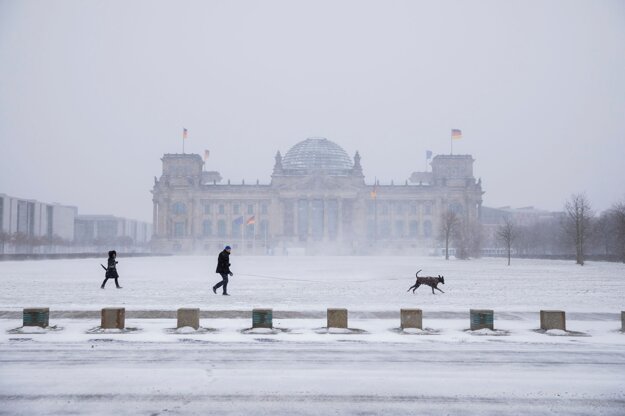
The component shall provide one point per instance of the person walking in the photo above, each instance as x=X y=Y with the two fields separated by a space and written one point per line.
x=223 y=268
x=111 y=270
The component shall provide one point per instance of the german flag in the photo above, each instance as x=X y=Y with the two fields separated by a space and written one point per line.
x=456 y=134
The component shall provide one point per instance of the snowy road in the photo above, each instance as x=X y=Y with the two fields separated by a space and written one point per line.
x=264 y=376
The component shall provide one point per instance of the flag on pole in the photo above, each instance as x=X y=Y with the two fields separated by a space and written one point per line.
x=206 y=153
x=428 y=154
x=374 y=192
x=238 y=221
x=184 y=133
x=456 y=134
x=251 y=220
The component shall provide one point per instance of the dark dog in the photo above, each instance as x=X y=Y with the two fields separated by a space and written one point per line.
x=428 y=280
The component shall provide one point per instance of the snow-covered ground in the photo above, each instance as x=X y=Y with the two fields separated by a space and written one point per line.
x=154 y=370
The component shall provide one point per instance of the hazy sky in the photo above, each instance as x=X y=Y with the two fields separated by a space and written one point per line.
x=92 y=93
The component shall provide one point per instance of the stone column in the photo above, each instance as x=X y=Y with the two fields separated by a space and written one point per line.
x=262 y=318
x=188 y=317
x=36 y=317
x=552 y=320
x=482 y=318
x=114 y=318
x=337 y=318
x=411 y=318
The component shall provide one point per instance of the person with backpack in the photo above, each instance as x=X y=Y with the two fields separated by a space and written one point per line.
x=111 y=270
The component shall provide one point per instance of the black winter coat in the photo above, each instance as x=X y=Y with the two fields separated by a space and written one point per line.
x=111 y=271
x=223 y=263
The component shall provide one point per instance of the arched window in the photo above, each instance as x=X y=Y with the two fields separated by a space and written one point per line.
x=179 y=208
x=427 y=228
x=207 y=228
x=414 y=228
x=221 y=228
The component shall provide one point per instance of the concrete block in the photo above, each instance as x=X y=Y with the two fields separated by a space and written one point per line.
x=36 y=317
x=113 y=318
x=482 y=318
x=262 y=318
x=552 y=320
x=411 y=318
x=337 y=318
x=188 y=317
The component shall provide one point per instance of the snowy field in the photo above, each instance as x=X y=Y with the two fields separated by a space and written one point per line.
x=153 y=369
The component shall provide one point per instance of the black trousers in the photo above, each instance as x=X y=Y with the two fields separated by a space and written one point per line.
x=107 y=278
x=224 y=282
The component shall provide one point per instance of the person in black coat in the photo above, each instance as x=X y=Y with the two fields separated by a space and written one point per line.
x=111 y=270
x=223 y=268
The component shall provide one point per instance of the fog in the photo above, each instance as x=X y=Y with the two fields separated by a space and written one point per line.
x=92 y=94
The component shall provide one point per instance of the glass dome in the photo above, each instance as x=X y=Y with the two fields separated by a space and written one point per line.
x=316 y=155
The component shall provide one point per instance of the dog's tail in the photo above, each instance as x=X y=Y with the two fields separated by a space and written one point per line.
x=417 y=274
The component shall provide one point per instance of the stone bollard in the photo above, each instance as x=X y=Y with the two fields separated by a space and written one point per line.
x=337 y=318
x=411 y=318
x=262 y=318
x=188 y=317
x=552 y=320
x=482 y=318
x=36 y=317
x=113 y=318
x=623 y=321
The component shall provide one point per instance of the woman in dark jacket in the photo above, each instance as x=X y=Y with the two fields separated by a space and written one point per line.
x=111 y=270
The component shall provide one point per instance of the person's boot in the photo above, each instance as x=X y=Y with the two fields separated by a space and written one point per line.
x=225 y=294
x=102 y=287
x=214 y=290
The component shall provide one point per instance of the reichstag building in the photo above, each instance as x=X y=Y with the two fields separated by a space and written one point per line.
x=316 y=203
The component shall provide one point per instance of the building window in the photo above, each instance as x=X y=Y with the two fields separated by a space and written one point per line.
x=399 y=208
x=399 y=229
x=179 y=208
x=179 y=229
x=427 y=208
x=414 y=228
x=236 y=209
x=207 y=208
x=302 y=219
x=414 y=209
x=263 y=209
x=385 y=229
x=263 y=230
x=383 y=207
x=250 y=209
x=371 y=229
x=236 y=227
x=222 y=209
x=370 y=207
x=250 y=230
x=427 y=228
x=207 y=228
x=333 y=218
x=221 y=228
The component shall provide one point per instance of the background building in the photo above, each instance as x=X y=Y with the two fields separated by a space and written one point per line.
x=317 y=202
x=98 y=230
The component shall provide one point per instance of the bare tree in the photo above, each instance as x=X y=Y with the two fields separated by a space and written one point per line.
x=449 y=223
x=507 y=233
x=617 y=212
x=577 y=223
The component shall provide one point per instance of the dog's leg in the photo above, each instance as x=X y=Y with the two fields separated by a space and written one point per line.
x=411 y=288
x=438 y=290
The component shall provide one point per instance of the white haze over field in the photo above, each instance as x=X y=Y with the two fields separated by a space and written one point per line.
x=93 y=93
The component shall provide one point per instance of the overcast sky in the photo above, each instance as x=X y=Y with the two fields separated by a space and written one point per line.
x=93 y=93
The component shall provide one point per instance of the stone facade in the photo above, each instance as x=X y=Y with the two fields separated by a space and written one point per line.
x=317 y=202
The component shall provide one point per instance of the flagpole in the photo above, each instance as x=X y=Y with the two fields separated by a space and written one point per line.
x=451 y=143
